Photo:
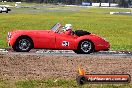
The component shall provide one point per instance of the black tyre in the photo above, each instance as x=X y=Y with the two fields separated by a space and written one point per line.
x=85 y=47
x=81 y=80
x=9 y=9
x=6 y=11
x=76 y=51
x=23 y=44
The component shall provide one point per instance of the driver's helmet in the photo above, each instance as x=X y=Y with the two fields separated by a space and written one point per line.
x=67 y=27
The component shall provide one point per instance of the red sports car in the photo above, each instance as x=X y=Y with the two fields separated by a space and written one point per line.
x=81 y=42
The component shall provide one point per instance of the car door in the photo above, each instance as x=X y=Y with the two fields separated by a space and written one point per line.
x=45 y=39
x=63 y=41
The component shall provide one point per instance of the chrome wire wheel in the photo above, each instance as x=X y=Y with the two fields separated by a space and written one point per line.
x=24 y=44
x=86 y=46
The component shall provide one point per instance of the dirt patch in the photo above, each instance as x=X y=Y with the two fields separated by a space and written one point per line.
x=43 y=66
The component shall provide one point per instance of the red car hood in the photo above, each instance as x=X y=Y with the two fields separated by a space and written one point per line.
x=29 y=31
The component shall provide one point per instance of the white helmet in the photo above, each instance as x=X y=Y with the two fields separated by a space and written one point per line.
x=68 y=26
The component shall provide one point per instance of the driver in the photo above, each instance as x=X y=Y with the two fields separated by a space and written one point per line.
x=68 y=29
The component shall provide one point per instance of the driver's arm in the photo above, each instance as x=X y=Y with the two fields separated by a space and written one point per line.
x=69 y=32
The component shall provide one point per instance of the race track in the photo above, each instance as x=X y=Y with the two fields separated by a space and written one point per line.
x=67 y=53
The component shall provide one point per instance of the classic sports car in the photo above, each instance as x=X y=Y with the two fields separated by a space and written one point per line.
x=81 y=42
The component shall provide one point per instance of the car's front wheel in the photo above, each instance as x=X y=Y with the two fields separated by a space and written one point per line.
x=23 y=44
x=85 y=47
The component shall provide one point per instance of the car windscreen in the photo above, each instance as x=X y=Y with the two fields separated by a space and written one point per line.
x=55 y=27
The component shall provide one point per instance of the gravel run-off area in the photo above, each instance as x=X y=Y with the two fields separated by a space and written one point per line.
x=51 y=66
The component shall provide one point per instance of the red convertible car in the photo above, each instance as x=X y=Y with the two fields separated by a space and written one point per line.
x=81 y=42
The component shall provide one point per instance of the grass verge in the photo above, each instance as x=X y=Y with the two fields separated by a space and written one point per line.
x=117 y=29
x=61 y=83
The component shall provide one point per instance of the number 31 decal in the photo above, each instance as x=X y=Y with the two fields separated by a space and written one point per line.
x=65 y=43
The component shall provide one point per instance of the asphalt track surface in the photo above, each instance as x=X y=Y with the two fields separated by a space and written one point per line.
x=66 y=53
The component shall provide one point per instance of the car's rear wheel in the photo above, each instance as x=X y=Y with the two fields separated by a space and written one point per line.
x=23 y=44
x=85 y=47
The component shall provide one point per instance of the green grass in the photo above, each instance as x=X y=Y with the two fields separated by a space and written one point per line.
x=60 y=83
x=117 y=29
x=64 y=84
